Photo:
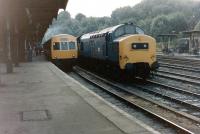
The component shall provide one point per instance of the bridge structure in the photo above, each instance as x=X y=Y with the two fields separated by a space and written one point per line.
x=22 y=25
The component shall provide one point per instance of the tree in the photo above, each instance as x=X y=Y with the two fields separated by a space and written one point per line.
x=80 y=17
x=122 y=14
x=178 y=22
x=160 y=25
x=63 y=16
x=197 y=27
x=154 y=16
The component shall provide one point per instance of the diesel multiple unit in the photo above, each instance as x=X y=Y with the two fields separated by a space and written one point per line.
x=61 y=49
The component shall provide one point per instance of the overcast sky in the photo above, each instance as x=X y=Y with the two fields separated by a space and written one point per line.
x=97 y=8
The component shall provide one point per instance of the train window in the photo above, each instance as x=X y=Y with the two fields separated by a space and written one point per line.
x=72 y=45
x=139 y=30
x=64 y=45
x=56 y=46
x=119 y=32
x=130 y=29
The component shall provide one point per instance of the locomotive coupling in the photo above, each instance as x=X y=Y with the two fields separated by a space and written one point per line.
x=155 y=66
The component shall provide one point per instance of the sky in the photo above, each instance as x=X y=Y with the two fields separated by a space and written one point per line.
x=97 y=8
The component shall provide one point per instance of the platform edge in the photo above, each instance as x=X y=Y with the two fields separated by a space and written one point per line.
x=100 y=105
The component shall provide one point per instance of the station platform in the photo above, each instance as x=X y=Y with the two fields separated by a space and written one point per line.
x=38 y=98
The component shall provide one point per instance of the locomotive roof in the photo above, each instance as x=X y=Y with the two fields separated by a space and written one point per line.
x=101 y=32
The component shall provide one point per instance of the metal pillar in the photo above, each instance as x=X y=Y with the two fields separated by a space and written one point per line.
x=9 y=66
x=16 y=47
x=17 y=52
x=22 y=48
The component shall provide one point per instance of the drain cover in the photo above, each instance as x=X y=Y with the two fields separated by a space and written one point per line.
x=36 y=115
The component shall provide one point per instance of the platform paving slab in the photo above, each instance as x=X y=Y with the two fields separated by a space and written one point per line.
x=38 y=98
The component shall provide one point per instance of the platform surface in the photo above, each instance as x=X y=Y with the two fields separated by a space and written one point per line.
x=37 y=99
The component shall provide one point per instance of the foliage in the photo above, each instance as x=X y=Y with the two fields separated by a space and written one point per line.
x=80 y=17
x=165 y=24
x=154 y=16
x=197 y=27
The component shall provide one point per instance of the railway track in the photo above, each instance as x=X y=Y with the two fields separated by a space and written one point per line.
x=185 y=101
x=179 y=74
x=181 y=122
x=183 y=61
x=179 y=77
x=187 y=82
x=195 y=93
x=180 y=67
x=185 y=64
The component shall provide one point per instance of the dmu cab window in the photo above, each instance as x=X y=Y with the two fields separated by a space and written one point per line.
x=64 y=46
x=56 y=46
x=72 y=45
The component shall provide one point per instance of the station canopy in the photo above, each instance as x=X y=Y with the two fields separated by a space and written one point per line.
x=191 y=32
x=31 y=17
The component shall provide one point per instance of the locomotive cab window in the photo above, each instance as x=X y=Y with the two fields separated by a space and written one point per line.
x=129 y=29
x=119 y=32
x=139 y=30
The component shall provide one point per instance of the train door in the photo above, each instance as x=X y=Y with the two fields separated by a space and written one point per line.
x=92 y=48
x=107 y=43
x=112 y=49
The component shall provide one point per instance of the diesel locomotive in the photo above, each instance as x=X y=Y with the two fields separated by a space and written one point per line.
x=124 y=49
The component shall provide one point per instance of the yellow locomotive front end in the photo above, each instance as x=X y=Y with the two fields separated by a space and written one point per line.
x=137 y=54
x=64 y=47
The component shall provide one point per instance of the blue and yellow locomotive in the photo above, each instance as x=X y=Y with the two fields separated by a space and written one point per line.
x=124 y=48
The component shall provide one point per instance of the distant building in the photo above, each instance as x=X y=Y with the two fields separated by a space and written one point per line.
x=167 y=42
x=184 y=42
x=194 y=41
